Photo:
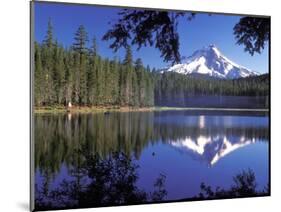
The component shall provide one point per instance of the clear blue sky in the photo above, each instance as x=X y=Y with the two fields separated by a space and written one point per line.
x=200 y=32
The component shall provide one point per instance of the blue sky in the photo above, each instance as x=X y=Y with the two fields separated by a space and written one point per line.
x=201 y=31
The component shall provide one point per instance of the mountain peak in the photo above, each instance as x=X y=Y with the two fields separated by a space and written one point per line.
x=213 y=50
x=212 y=47
x=209 y=61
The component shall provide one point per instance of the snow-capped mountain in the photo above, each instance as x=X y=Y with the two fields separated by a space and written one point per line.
x=210 y=62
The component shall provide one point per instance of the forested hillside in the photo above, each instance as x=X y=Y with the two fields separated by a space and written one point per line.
x=171 y=87
x=78 y=74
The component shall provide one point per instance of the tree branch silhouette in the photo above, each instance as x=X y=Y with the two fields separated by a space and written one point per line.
x=159 y=29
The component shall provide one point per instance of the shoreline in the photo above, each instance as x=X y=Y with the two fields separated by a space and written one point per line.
x=85 y=109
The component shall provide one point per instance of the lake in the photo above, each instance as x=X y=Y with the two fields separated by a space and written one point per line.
x=218 y=101
x=165 y=155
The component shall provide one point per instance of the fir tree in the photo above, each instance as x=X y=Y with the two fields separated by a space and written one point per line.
x=82 y=76
x=49 y=36
x=38 y=76
x=79 y=46
x=92 y=75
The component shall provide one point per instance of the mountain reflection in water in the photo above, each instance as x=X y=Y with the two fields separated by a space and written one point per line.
x=180 y=145
x=210 y=149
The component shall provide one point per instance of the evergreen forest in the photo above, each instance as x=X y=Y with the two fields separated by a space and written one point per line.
x=80 y=75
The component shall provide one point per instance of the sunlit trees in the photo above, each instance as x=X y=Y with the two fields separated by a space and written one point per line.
x=81 y=76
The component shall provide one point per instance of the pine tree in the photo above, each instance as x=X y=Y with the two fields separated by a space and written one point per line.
x=59 y=74
x=49 y=36
x=128 y=60
x=127 y=93
x=48 y=64
x=38 y=76
x=107 y=83
x=135 y=90
x=150 y=92
x=115 y=82
x=92 y=74
x=138 y=64
x=76 y=78
x=80 y=40
x=69 y=76
x=141 y=81
x=100 y=81
x=79 y=46
x=94 y=47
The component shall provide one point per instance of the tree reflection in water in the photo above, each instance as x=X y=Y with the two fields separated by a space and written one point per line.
x=57 y=136
x=98 y=182
x=105 y=173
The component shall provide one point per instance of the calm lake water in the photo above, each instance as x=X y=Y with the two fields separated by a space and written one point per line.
x=218 y=101
x=183 y=148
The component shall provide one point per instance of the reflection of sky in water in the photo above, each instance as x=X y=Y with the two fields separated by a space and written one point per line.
x=213 y=157
x=185 y=172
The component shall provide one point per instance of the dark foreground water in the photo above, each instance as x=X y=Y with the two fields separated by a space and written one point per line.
x=135 y=157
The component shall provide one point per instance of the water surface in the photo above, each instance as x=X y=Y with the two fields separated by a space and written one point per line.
x=186 y=147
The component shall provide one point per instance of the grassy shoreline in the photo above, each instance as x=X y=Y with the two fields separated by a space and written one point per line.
x=94 y=109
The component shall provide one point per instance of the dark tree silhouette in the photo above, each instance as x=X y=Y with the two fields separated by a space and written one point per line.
x=159 y=29
x=253 y=33
x=145 y=27
x=244 y=186
x=99 y=182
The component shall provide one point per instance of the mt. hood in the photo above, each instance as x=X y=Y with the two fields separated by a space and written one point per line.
x=210 y=62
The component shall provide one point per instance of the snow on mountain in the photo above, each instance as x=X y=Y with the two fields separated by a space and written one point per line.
x=209 y=61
